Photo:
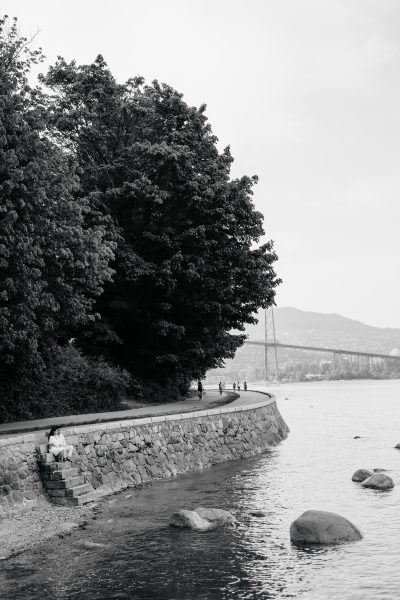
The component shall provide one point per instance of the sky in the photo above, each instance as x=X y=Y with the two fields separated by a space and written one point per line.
x=306 y=93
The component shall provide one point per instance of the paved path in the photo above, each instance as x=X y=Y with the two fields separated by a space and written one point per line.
x=211 y=399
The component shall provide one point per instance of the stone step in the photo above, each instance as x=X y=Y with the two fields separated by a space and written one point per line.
x=42 y=449
x=65 y=483
x=57 y=466
x=62 y=501
x=78 y=490
x=46 y=458
x=84 y=499
x=61 y=474
x=56 y=493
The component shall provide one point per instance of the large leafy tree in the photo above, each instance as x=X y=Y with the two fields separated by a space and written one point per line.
x=52 y=263
x=189 y=269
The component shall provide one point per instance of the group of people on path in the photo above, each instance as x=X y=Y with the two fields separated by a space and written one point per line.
x=237 y=386
x=221 y=386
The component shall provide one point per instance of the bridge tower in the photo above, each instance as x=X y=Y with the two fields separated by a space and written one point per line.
x=270 y=352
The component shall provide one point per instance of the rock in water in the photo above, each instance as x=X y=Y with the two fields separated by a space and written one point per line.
x=397 y=446
x=378 y=481
x=215 y=515
x=361 y=474
x=257 y=513
x=320 y=527
x=190 y=519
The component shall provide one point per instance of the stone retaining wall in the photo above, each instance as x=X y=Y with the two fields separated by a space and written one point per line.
x=116 y=455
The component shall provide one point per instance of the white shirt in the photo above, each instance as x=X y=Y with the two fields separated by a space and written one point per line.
x=57 y=440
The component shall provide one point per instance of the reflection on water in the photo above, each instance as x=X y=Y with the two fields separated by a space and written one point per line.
x=143 y=558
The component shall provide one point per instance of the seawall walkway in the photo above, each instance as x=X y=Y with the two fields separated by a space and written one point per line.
x=212 y=400
x=139 y=445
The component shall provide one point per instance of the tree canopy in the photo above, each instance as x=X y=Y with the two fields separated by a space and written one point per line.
x=120 y=226
x=188 y=265
x=52 y=264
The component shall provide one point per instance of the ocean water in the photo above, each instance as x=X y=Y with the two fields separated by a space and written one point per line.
x=140 y=557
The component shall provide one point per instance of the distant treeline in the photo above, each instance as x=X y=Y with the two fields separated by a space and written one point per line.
x=127 y=254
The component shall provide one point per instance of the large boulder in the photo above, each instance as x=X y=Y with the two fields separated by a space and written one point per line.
x=320 y=527
x=378 y=481
x=191 y=520
x=215 y=515
x=361 y=474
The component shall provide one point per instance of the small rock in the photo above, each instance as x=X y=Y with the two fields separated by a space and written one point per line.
x=257 y=513
x=320 y=527
x=378 y=481
x=361 y=475
x=379 y=470
x=356 y=437
x=397 y=446
x=190 y=519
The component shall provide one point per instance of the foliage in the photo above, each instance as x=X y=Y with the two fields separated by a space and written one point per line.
x=188 y=265
x=52 y=263
x=70 y=384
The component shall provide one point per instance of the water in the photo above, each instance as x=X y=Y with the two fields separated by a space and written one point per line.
x=141 y=557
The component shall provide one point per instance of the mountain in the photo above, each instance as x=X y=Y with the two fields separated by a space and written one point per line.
x=295 y=326
x=302 y=328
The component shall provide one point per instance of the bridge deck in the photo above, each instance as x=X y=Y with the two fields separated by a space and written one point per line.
x=316 y=349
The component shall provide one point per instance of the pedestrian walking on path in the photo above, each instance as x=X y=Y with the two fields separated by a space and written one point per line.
x=234 y=386
x=245 y=386
x=238 y=386
x=200 y=389
x=220 y=388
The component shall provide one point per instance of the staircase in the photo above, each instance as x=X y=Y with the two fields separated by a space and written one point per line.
x=62 y=481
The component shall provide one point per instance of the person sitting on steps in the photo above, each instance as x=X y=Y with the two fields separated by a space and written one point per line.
x=58 y=446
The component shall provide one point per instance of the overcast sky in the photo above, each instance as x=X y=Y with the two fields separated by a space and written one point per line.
x=306 y=92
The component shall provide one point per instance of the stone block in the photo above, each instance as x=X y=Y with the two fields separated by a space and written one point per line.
x=84 y=498
x=47 y=458
x=17 y=497
x=56 y=493
x=78 y=490
x=63 y=474
x=65 y=483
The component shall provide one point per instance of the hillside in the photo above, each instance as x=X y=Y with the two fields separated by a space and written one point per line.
x=299 y=327
x=294 y=326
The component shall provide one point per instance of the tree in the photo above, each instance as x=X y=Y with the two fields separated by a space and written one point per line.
x=52 y=263
x=188 y=268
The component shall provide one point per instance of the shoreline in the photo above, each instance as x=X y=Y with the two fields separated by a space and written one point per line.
x=23 y=530
x=155 y=448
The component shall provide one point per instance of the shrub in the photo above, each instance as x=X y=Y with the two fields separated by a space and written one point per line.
x=71 y=383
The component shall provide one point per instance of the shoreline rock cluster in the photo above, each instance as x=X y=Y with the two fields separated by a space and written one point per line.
x=375 y=479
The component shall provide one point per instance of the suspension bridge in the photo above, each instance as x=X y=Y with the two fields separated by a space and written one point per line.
x=357 y=359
